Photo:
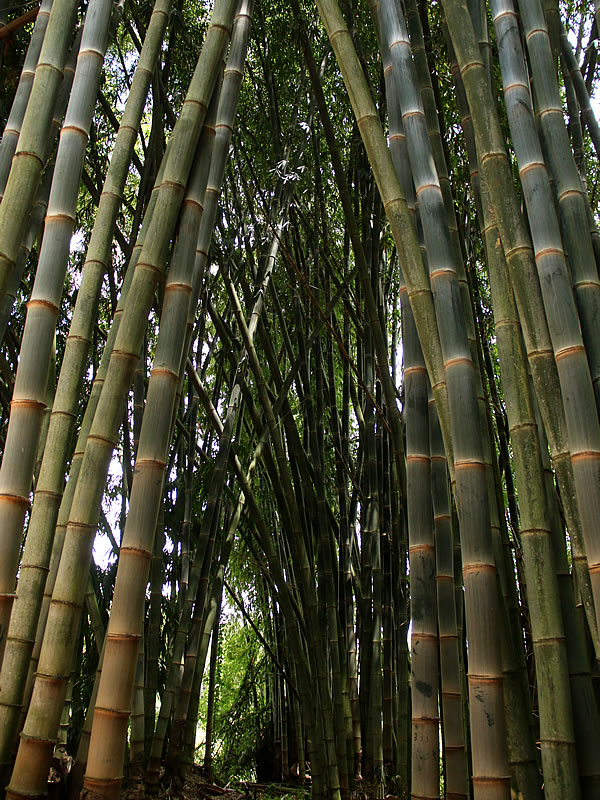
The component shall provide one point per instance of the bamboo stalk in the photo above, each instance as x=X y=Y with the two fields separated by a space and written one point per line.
x=571 y=361
x=490 y=767
x=109 y=731
x=12 y=129
x=68 y=593
x=30 y=154
x=28 y=403
x=49 y=486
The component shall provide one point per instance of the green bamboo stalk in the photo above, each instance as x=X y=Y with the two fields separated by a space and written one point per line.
x=556 y=722
x=582 y=422
x=586 y=718
x=518 y=268
x=583 y=96
x=7 y=600
x=490 y=767
x=452 y=700
x=391 y=194
x=49 y=486
x=567 y=184
x=136 y=744
x=12 y=129
x=77 y=458
x=584 y=434
x=111 y=718
x=30 y=154
x=36 y=221
x=28 y=402
x=85 y=508
x=425 y=770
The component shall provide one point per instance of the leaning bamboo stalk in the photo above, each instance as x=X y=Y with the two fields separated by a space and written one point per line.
x=567 y=183
x=66 y=500
x=12 y=129
x=581 y=417
x=556 y=722
x=424 y=646
x=518 y=268
x=391 y=193
x=40 y=204
x=586 y=719
x=28 y=162
x=452 y=700
x=49 y=486
x=425 y=770
x=28 y=403
x=490 y=766
x=68 y=592
x=113 y=706
x=583 y=96
x=570 y=355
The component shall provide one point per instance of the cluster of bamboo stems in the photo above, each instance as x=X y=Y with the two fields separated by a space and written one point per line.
x=423 y=545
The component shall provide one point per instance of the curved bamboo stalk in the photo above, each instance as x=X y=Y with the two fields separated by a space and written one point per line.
x=521 y=273
x=113 y=706
x=28 y=403
x=417 y=280
x=490 y=766
x=452 y=700
x=583 y=96
x=425 y=771
x=556 y=722
x=580 y=410
x=68 y=592
x=12 y=129
x=30 y=155
x=567 y=184
x=49 y=486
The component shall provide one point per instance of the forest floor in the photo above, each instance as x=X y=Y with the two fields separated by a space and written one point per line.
x=196 y=787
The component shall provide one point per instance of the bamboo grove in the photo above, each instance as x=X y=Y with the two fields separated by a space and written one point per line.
x=299 y=313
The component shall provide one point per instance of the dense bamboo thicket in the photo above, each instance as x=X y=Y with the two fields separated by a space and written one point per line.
x=299 y=397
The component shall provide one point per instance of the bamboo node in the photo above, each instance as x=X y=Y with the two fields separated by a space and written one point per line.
x=104 y=439
x=451 y=362
x=164 y=372
x=475 y=64
x=42 y=303
x=574 y=192
x=29 y=154
x=549 y=251
x=16 y=499
x=68 y=603
x=479 y=567
x=417 y=457
x=119 y=713
x=532 y=165
x=136 y=552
